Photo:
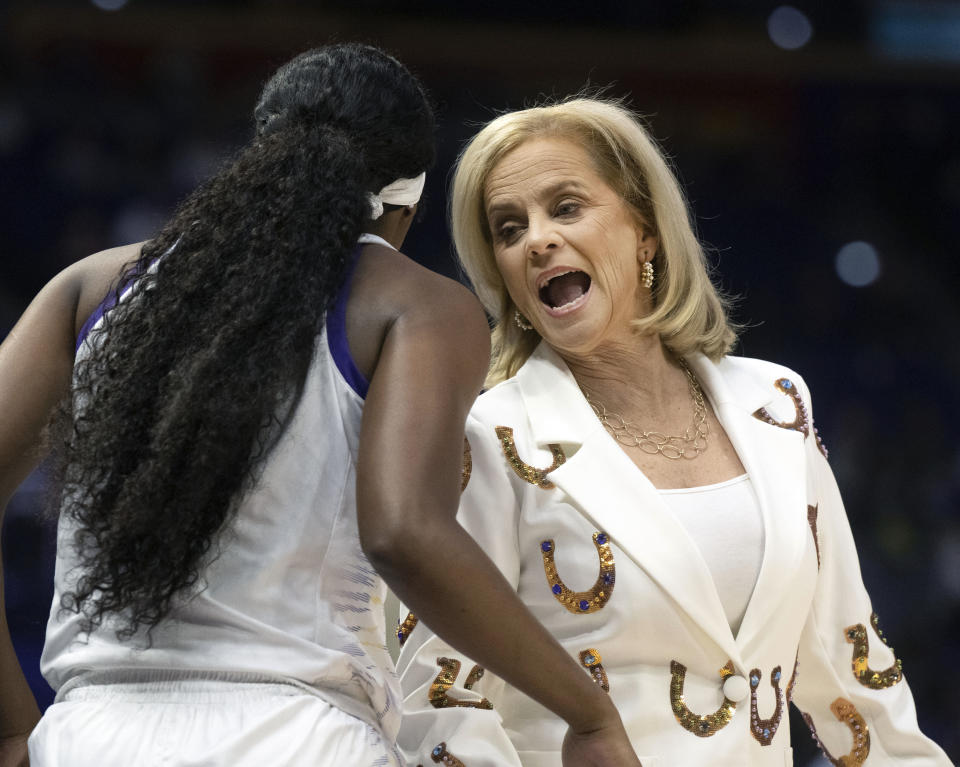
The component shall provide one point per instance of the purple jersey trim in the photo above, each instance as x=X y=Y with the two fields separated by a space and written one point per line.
x=105 y=306
x=112 y=297
x=337 y=335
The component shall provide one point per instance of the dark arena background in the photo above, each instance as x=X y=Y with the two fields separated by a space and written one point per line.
x=819 y=145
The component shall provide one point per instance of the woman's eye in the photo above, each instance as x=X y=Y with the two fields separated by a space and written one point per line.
x=567 y=208
x=507 y=232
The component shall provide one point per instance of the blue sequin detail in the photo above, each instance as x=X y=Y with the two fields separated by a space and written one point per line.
x=557 y=588
x=787 y=384
x=776 y=676
x=437 y=751
x=601 y=538
x=608 y=578
x=589 y=659
x=766 y=732
x=754 y=680
x=584 y=604
x=546 y=546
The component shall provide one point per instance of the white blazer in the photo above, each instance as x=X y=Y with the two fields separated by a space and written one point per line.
x=602 y=562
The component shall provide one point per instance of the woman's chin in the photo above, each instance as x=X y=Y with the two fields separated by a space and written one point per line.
x=576 y=337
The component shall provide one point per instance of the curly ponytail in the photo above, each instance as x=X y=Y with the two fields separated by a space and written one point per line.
x=188 y=380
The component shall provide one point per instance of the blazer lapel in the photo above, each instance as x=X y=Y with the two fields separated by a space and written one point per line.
x=774 y=459
x=609 y=490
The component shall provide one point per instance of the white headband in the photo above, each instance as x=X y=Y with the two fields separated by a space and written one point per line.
x=403 y=191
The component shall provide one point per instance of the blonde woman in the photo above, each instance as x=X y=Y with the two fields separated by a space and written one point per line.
x=665 y=509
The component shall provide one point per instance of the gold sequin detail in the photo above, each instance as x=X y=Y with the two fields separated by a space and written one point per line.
x=592 y=661
x=449 y=670
x=708 y=724
x=404 y=629
x=845 y=711
x=582 y=602
x=812 y=521
x=440 y=755
x=525 y=471
x=875 y=622
x=764 y=730
x=467 y=465
x=475 y=675
x=875 y=680
x=801 y=421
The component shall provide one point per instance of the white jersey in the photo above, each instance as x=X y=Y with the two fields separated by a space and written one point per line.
x=287 y=591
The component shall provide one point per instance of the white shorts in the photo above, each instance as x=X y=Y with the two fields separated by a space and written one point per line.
x=203 y=722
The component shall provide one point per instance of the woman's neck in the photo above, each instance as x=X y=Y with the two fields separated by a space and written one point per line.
x=639 y=380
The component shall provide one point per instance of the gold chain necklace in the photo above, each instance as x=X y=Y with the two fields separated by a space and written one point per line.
x=688 y=445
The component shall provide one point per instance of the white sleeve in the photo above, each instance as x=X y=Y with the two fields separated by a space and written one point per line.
x=450 y=703
x=850 y=689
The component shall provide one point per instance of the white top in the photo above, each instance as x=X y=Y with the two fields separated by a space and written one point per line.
x=724 y=521
x=291 y=594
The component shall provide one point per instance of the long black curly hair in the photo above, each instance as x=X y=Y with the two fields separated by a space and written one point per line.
x=188 y=382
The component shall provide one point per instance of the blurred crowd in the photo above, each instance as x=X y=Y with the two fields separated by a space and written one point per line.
x=100 y=136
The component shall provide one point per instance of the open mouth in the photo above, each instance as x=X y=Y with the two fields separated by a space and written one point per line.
x=564 y=289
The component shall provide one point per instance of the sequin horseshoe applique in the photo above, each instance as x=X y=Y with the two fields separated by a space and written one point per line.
x=593 y=663
x=763 y=730
x=846 y=712
x=708 y=724
x=446 y=678
x=404 y=629
x=467 y=465
x=875 y=680
x=582 y=602
x=801 y=421
x=525 y=471
x=440 y=755
x=812 y=521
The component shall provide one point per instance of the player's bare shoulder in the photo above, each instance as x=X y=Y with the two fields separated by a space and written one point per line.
x=390 y=288
x=92 y=278
x=443 y=302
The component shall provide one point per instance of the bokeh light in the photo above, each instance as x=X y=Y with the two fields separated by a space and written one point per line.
x=789 y=28
x=109 y=5
x=858 y=264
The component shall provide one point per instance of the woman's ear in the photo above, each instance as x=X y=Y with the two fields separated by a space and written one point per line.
x=647 y=240
x=647 y=244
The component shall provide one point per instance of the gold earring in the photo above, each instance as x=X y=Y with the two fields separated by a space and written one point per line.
x=646 y=274
x=521 y=321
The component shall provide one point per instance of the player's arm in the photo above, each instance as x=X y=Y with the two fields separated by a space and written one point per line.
x=36 y=360
x=430 y=369
x=36 y=363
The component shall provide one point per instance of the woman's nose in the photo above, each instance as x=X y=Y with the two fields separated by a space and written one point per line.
x=542 y=237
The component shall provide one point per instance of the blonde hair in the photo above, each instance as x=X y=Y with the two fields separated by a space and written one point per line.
x=689 y=313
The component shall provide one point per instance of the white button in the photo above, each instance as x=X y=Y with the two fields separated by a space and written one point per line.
x=736 y=688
